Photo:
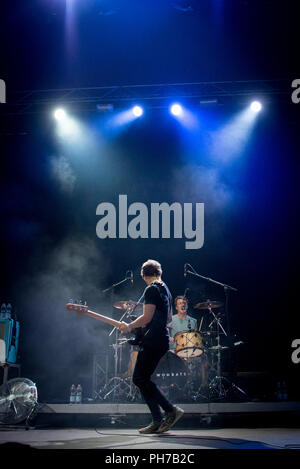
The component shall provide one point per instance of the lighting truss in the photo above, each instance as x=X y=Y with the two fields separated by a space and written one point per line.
x=150 y=95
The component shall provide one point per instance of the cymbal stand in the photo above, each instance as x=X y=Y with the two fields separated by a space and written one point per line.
x=219 y=384
x=120 y=385
x=116 y=381
x=217 y=381
x=192 y=386
x=133 y=389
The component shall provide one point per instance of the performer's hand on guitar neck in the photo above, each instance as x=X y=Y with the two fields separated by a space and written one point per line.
x=124 y=328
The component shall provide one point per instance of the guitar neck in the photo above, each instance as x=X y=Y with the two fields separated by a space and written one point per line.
x=98 y=316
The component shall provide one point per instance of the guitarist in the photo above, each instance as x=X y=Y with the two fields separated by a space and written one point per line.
x=157 y=313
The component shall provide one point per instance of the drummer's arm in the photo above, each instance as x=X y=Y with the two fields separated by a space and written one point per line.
x=170 y=325
x=170 y=317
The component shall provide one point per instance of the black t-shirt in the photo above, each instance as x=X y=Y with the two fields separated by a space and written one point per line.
x=156 y=332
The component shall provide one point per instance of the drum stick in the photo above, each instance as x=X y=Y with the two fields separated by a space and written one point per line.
x=201 y=323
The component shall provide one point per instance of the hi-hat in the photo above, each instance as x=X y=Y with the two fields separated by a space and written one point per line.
x=208 y=305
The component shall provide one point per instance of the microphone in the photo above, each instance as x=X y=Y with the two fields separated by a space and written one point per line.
x=185 y=269
x=185 y=292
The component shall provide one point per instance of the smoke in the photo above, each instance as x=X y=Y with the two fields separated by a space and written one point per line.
x=232 y=139
x=63 y=173
x=60 y=344
x=197 y=183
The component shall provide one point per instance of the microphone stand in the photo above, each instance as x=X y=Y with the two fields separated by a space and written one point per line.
x=116 y=284
x=209 y=279
x=226 y=292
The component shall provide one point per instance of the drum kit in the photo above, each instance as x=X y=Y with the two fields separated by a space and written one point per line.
x=191 y=372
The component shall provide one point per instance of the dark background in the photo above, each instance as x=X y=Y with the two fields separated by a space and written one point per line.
x=50 y=190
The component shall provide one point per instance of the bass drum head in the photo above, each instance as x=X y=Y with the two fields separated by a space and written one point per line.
x=170 y=370
x=188 y=344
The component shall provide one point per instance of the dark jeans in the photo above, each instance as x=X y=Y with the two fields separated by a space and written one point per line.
x=147 y=361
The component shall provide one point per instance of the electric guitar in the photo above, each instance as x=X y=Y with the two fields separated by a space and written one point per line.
x=83 y=309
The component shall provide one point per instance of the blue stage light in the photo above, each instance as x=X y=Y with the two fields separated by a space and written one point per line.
x=137 y=111
x=176 y=109
x=256 y=106
x=60 y=114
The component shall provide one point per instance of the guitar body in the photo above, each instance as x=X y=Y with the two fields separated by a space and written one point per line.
x=139 y=334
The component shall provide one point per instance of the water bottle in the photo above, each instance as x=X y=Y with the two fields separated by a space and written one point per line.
x=3 y=311
x=73 y=394
x=8 y=311
x=79 y=394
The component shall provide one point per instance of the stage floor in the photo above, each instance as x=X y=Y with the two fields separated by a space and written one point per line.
x=130 y=439
x=113 y=427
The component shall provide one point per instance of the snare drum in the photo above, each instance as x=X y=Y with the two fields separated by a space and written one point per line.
x=188 y=344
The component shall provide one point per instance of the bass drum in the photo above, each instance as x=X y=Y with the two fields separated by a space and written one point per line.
x=171 y=370
x=188 y=344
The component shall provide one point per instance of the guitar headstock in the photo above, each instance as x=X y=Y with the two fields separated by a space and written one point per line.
x=78 y=308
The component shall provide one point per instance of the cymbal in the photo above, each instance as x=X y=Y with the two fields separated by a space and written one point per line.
x=208 y=304
x=124 y=304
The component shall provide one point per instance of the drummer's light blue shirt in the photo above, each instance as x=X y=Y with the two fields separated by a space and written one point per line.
x=178 y=325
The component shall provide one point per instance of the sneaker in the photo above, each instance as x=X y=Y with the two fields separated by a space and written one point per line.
x=170 y=419
x=152 y=428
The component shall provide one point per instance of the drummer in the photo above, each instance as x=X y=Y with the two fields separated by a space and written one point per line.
x=181 y=321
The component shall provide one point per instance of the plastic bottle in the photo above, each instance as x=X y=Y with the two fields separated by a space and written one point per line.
x=3 y=311
x=79 y=394
x=73 y=394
